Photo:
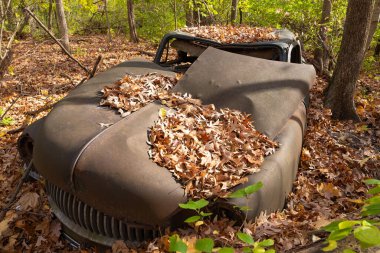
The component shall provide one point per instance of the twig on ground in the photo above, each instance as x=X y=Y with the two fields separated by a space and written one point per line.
x=81 y=82
x=39 y=110
x=93 y=71
x=15 y=193
x=9 y=107
x=147 y=53
x=314 y=247
x=17 y=130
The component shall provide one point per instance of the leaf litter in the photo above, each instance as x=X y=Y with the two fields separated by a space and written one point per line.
x=133 y=92
x=207 y=150
x=335 y=153
x=232 y=34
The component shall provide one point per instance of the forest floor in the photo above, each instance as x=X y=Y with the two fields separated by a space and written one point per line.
x=336 y=156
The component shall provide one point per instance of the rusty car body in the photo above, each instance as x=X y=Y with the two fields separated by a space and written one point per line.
x=100 y=181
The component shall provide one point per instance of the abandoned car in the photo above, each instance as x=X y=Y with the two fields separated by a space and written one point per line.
x=100 y=181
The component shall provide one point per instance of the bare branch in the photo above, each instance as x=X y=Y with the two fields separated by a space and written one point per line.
x=56 y=40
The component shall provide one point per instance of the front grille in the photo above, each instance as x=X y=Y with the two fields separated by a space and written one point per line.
x=97 y=222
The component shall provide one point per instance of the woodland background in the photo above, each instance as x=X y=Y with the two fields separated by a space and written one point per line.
x=337 y=155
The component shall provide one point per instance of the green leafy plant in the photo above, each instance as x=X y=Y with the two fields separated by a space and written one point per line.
x=176 y=244
x=207 y=244
x=196 y=206
x=5 y=121
x=204 y=245
x=245 y=193
x=255 y=247
x=365 y=231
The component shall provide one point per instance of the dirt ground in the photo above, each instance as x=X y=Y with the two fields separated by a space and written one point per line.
x=336 y=156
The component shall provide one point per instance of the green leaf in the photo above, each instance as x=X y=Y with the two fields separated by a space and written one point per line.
x=372 y=181
x=7 y=121
x=349 y=251
x=332 y=226
x=226 y=250
x=270 y=251
x=258 y=250
x=332 y=245
x=368 y=234
x=177 y=245
x=373 y=200
x=339 y=234
x=203 y=214
x=194 y=205
x=247 y=250
x=244 y=208
x=374 y=190
x=348 y=224
x=204 y=245
x=245 y=192
x=245 y=238
x=266 y=243
x=253 y=188
x=366 y=223
x=193 y=219
x=237 y=194
x=372 y=209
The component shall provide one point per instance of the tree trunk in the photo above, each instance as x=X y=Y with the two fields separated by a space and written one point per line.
x=340 y=93
x=234 y=4
x=10 y=15
x=108 y=22
x=62 y=25
x=241 y=16
x=49 y=23
x=175 y=15
x=131 y=22
x=321 y=54
x=189 y=15
x=374 y=22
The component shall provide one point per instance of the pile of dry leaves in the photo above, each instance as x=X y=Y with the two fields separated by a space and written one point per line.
x=232 y=34
x=133 y=92
x=208 y=150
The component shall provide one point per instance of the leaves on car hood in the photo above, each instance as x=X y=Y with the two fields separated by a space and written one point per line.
x=133 y=92
x=207 y=150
